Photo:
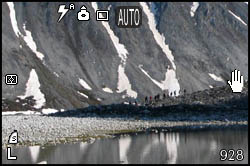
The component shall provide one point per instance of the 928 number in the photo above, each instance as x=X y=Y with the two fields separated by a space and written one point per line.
x=231 y=155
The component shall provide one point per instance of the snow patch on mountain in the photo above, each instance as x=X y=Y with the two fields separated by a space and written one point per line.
x=28 y=38
x=193 y=9
x=216 y=78
x=28 y=112
x=106 y=89
x=49 y=110
x=55 y=73
x=153 y=80
x=82 y=94
x=13 y=18
x=237 y=17
x=160 y=39
x=33 y=89
x=84 y=84
x=109 y=7
x=123 y=81
x=170 y=82
x=31 y=43
x=94 y=5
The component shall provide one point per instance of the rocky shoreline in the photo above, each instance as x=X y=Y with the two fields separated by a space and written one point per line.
x=210 y=108
x=43 y=130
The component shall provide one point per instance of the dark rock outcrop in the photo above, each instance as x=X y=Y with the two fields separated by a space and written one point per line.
x=213 y=104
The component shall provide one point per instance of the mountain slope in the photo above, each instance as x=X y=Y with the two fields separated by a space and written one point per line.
x=178 y=46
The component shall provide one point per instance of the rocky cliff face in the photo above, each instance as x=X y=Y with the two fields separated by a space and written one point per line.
x=73 y=64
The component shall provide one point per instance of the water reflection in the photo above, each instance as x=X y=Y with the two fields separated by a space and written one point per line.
x=162 y=143
x=172 y=142
x=34 y=152
x=169 y=148
x=124 y=145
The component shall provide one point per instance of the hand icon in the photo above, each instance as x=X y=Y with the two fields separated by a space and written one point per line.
x=237 y=81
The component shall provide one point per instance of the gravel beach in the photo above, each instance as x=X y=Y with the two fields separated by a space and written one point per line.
x=208 y=108
x=45 y=130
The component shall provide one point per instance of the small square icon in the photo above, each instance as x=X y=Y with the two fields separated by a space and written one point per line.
x=102 y=15
x=11 y=79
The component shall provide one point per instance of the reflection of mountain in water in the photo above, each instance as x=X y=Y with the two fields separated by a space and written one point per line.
x=34 y=152
x=172 y=142
x=162 y=143
x=124 y=145
x=174 y=147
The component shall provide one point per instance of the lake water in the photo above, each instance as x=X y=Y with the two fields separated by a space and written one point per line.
x=163 y=147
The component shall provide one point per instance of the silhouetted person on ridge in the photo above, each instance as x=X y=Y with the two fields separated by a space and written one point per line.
x=158 y=97
x=146 y=99
x=136 y=104
x=150 y=99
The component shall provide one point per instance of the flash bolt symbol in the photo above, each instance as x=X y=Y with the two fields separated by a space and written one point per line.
x=62 y=9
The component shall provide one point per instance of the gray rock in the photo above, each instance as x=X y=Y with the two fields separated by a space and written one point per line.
x=213 y=41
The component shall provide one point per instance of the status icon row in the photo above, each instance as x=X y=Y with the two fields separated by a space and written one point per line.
x=83 y=14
